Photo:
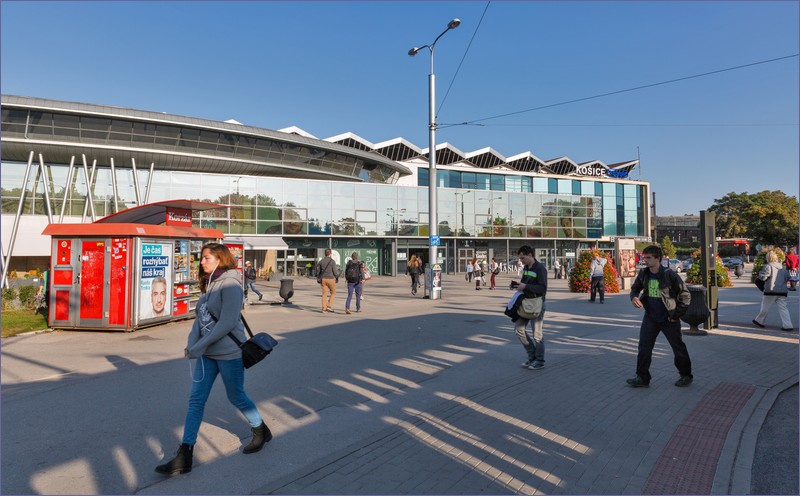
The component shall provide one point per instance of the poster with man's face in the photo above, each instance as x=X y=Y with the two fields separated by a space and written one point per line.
x=155 y=285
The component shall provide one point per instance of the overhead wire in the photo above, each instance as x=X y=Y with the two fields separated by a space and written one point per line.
x=466 y=51
x=477 y=121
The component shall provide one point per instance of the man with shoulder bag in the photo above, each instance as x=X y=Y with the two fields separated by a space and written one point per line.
x=327 y=276
x=532 y=285
x=665 y=299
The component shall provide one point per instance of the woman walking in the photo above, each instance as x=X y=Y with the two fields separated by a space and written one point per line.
x=413 y=269
x=775 y=278
x=217 y=315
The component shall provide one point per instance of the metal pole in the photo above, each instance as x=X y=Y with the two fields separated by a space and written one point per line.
x=45 y=180
x=67 y=188
x=16 y=220
x=149 y=182
x=433 y=214
x=114 y=185
x=136 y=182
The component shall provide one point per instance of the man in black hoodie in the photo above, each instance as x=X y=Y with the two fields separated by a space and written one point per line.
x=665 y=298
x=532 y=284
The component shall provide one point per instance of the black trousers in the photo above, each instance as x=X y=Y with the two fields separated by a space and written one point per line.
x=598 y=282
x=647 y=340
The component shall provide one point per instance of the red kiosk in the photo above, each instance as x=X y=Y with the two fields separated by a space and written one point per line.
x=132 y=269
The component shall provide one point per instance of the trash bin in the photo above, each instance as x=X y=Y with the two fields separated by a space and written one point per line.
x=286 y=290
x=698 y=311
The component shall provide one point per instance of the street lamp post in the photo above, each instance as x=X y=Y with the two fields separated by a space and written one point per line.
x=433 y=217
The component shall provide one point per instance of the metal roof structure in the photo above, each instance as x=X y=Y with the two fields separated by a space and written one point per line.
x=230 y=147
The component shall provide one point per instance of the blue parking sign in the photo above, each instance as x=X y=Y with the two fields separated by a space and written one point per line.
x=435 y=241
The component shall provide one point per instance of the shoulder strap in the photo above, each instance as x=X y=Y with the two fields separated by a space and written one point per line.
x=247 y=327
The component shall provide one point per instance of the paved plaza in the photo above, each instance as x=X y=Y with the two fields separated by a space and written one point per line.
x=409 y=396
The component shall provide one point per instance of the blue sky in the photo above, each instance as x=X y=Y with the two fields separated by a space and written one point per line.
x=333 y=67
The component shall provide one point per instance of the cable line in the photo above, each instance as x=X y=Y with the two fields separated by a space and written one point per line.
x=462 y=58
x=476 y=121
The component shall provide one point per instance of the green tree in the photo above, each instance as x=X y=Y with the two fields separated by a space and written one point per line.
x=774 y=218
x=768 y=217
x=729 y=214
x=667 y=247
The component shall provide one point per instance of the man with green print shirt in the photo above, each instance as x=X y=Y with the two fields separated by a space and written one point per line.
x=665 y=298
x=532 y=284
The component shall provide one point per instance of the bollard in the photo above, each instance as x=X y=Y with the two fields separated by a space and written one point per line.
x=698 y=311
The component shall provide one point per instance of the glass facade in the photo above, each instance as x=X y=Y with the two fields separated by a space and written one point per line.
x=558 y=209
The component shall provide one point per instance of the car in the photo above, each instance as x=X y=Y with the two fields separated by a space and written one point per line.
x=732 y=262
x=675 y=265
x=687 y=264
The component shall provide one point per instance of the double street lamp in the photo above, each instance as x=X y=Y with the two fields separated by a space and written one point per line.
x=433 y=214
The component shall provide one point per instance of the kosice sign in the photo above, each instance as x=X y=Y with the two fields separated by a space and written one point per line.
x=590 y=170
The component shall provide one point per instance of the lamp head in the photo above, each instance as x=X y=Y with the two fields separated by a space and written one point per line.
x=413 y=51
x=454 y=23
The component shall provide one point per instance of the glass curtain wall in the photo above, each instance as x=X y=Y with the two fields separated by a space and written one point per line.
x=557 y=209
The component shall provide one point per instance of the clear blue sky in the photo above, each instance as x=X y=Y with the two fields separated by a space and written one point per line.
x=333 y=67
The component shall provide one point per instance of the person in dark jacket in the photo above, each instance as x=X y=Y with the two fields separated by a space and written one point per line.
x=218 y=313
x=532 y=284
x=665 y=298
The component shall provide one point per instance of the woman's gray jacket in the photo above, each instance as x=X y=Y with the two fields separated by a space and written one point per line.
x=775 y=278
x=218 y=312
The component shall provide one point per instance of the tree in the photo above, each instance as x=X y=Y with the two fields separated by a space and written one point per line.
x=774 y=218
x=768 y=217
x=667 y=247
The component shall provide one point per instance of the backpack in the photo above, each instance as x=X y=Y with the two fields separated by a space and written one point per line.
x=353 y=271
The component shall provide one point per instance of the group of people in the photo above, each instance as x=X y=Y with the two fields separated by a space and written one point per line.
x=478 y=270
x=356 y=274
x=658 y=290
x=561 y=269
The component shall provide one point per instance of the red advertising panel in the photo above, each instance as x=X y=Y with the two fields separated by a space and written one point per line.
x=62 y=305
x=118 y=281
x=64 y=254
x=62 y=277
x=92 y=279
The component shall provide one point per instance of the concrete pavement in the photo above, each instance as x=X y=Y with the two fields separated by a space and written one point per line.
x=430 y=399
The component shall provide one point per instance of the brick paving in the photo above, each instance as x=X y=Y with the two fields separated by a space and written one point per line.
x=572 y=427
x=689 y=461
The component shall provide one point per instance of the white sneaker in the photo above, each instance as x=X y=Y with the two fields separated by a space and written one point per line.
x=527 y=364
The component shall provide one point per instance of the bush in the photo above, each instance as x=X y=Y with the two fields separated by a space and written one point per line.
x=761 y=260
x=695 y=274
x=9 y=295
x=579 y=280
x=27 y=296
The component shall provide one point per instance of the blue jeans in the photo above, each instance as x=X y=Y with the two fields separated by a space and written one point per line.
x=356 y=287
x=251 y=285
x=203 y=377
x=533 y=343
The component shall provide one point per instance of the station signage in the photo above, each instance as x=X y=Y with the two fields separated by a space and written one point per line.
x=591 y=170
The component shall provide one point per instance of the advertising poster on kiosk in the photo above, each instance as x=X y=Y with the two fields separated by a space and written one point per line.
x=155 y=280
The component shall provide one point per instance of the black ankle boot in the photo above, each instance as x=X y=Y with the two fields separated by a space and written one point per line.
x=261 y=435
x=181 y=464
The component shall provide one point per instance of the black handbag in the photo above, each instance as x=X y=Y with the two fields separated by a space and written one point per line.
x=256 y=348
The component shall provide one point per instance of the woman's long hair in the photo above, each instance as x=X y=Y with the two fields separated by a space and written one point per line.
x=226 y=261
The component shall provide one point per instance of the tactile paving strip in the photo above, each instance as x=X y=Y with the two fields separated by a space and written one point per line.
x=689 y=460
